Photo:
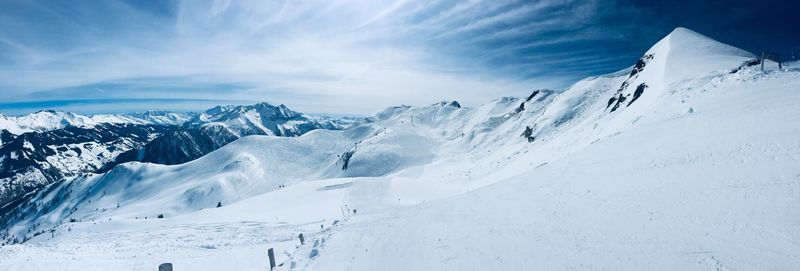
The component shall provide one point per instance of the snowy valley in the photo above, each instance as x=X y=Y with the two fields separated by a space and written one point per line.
x=50 y=146
x=686 y=160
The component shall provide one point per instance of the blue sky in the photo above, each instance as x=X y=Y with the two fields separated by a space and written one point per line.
x=339 y=56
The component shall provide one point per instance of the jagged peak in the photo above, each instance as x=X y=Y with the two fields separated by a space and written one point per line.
x=154 y=113
x=264 y=104
x=48 y=111
x=238 y=112
x=448 y=103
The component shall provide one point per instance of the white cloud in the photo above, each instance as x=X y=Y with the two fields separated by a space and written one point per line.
x=325 y=56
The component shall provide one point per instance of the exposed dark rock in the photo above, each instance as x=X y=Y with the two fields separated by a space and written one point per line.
x=528 y=134
x=530 y=97
x=611 y=101
x=450 y=103
x=177 y=147
x=623 y=87
x=6 y=136
x=640 y=64
x=748 y=63
x=345 y=159
x=25 y=166
x=638 y=92
x=519 y=108
x=620 y=99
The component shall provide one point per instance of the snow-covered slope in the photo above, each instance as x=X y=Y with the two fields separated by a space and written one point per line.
x=261 y=119
x=698 y=173
x=44 y=120
x=221 y=125
x=48 y=120
x=678 y=59
x=694 y=192
x=164 y=118
x=51 y=152
x=44 y=147
x=32 y=160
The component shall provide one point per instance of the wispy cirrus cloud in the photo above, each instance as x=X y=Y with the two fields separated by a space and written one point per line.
x=324 y=56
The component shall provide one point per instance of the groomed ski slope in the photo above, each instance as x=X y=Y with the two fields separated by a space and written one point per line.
x=700 y=173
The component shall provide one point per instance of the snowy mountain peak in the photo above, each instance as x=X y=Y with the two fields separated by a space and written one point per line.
x=238 y=112
x=48 y=120
x=43 y=120
x=681 y=56
x=686 y=39
x=689 y=158
x=684 y=52
x=241 y=120
x=404 y=111
x=449 y=103
x=221 y=125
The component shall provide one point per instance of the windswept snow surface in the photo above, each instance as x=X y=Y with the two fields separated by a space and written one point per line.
x=699 y=173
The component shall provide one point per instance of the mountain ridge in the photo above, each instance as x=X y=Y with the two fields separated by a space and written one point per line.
x=221 y=125
x=57 y=145
x=48 y=120
x=585 y=178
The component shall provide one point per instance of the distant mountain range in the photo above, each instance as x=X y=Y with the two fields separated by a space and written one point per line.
x=221 y=125
x=47 y=146
x=48 y=120
x=687 y=160
x=35 y=159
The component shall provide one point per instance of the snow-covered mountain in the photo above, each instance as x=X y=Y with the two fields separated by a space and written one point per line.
x=682 y=55
x=221 y=125
x=164 y=118
x=48 y=120
x=47 y=146
x=59 y=145
x=262 y=119
x=695 y=171
x=35 y=159
x=44 y=120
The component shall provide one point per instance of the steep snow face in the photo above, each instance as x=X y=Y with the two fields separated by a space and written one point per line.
x=689 y=54
x=679 y=59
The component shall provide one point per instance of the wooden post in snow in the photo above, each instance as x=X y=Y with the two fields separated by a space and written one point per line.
x=165 y=267
x=302 y=239
x=271 y=254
